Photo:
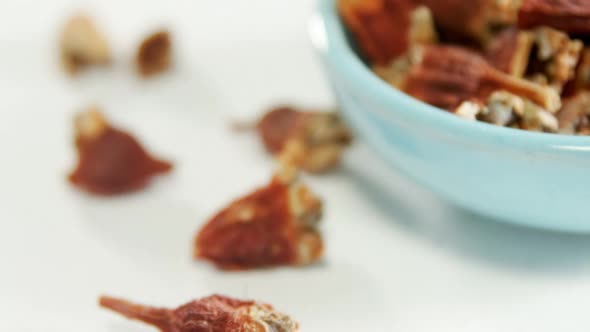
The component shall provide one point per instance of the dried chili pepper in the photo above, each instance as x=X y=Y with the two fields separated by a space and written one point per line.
x=278 y=125
x=384 y=29
x=542 y=55
x=323 y=136
x=571 y=16
x=215 y=313
x=510 y=50
x=154 y=54
x=82 y=45
x=274 y=225
x=445 y=76
x=574 y=116
x=472 y=19
x=110 y=161
x=556 y=56
x=582 y=80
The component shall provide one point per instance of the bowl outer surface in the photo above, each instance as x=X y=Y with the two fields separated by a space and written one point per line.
x=534 y=179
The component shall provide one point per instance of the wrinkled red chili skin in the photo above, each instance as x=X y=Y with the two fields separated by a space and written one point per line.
x=114 y=163
x=456 y=18
x=264 y=237
x=215 y=313
x=279 y=125
x=501 y=51
x=571 y=16
x=446 y=83
x=381 y=27
x=211 y=314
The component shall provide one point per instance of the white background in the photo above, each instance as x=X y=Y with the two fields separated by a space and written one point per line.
x=398 y=259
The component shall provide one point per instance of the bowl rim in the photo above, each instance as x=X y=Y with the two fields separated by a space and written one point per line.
x=328 y=38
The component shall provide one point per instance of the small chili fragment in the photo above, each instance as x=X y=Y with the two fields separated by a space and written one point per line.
x=215 y=313
x=110 y=161
x=278 y=125
x=543 y=55
x=445 y=76
x=570 y=16
x=510 y=50
x=574 y=117
x=473 y=19
x=154 y=54
x=323 y=136
x=384 y=29
x=82 y=45
x=275 y=225
x=556 y=57
x=582 y=81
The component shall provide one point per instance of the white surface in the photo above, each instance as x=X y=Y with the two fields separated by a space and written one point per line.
x=397 y=258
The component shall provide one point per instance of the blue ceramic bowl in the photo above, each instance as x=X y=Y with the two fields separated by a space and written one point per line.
x=534 y=179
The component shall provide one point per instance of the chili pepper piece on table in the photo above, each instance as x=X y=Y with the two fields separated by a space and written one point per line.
x=110 y=161
x=276 y=225
x=82 y=45
x=215 y=313
x=323 y=136
x=154 y=54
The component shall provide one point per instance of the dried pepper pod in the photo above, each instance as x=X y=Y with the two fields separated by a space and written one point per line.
x=278 y=125
x=556 y=57
x=154 y=54
x=82 y=45
x=110 y=161
x=384 y=29
x=272 y=226
x=323 y=136
x=582 y=80
x=544 y=55
x=570 y=16
x=445 y=76
x=510 y=51
x=474 y=19
x=215 y=313
x=574 y=116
